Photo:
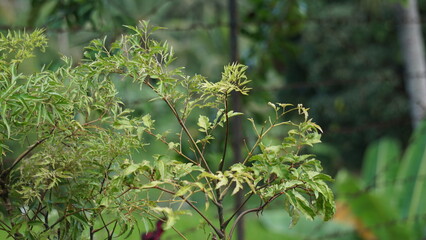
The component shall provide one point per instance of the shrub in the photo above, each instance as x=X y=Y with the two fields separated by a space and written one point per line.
x=76 y=173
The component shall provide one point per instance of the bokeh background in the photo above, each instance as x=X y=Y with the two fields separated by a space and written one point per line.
x=348 y=61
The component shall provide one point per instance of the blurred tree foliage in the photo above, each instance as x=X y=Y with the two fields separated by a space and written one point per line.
x=342 y=59
x=71 y=24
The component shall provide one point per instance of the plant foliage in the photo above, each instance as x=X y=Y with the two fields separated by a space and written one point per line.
x=76 y=174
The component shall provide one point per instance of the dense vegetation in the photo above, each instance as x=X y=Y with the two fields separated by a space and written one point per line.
x=76 y=175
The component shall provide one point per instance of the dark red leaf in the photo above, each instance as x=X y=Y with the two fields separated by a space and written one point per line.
x=156 y=233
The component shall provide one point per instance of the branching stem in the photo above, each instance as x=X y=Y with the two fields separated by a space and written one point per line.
x=174 y=149
x=237 y=211
x=258 y=209
x=22 y=156
x=217 y=231
x=181 y=123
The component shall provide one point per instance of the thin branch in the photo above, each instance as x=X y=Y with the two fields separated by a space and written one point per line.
x=65 y=216
x=179 y=233
x=222 y=161
x=218 y=232
x=256 y=144
x=182 y=124
x=126 y=191
x=113 y=229
x=99 y=229
x=40 y=207
x=162 y=219
x=106 y=175
x=258 y=209
x=220 y=214
x=95 y=120
x=105 y=225
x=237 y=211
x=240 y=217
x=264 y=132
x=259 y=139
x=174 y=149
x=221 y=165
x=22 y=156
x=5 y=225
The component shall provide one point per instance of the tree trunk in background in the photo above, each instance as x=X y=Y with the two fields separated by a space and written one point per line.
x=412 y=47
x=236 y=123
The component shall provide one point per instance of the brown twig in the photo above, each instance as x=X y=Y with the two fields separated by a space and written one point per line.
x=181 y=123
x=105 y=225
x=22 y=156
x=222 y=161
x=65 y=216
x=163 y=140
x=218 y=232
x=237 y=211
x=258 y=209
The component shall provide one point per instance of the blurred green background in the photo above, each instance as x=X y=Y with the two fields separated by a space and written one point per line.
x=341 y=58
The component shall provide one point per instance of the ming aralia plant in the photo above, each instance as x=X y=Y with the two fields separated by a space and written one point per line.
x=68 y=144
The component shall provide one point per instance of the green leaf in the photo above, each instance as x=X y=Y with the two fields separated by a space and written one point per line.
x=323 y=177
x=223 y=181
x=171 y=216
x=294 y=213
x=152 y=184
x=160 y=166
x=183 y=190
x=203 y=123
x=148 y=121
x=208 y=175
x=380 y=163
x=139 y=132
x=413 y=166
x=173 y=145
x=303 y=205
x=291 y=184
x=238 y=187
x=5 y=122
x=80 y=218
x=131 y=169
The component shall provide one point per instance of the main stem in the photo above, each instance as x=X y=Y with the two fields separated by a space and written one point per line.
x=237 y=136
